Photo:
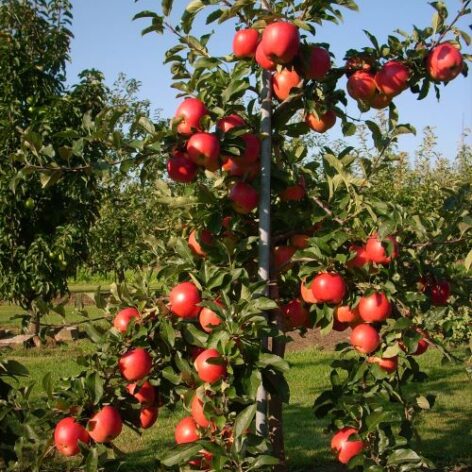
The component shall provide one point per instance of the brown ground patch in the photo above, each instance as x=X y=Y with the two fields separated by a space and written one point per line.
x=313 y=338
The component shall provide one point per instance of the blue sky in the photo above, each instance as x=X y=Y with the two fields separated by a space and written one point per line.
x=106 y=38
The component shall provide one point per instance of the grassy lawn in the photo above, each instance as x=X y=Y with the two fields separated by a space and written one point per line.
x=445 y=430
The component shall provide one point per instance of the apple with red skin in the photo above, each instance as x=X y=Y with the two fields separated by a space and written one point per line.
x=365 y=338
x=263 y=60
x=209 y=372
x=318 y=63
x=204 y=150
x=181 y=169
x=444 y=62
x=205 y=237
x=252 y=149
x=361 y=85
x=345 y=314
x=360 y=259
x=244 y=197
x=376 y=252
x=196 y=408
x=230 y=122
x=392 y=78
x=135 y=364
x=195 y=351
x=67 y=435
x=321 y=123
x=328 y=287
x=283 y=82
x=105 y=425
x=421 y=348
x=236 y=168
x=123 y=318
x=300 y=241
x=146 y=394
x=379 y=101
x=191 y=111
x=184 y=299
x=148 y=416
x=186 y=431
x=281 y=256
x=306 y=293
x=280 y=42
x=295 y=314
x=388 y=364
x=293 y=193
x=209 y=319
x=440 y=292
x=345 y=449
x=245 y=43
x=374 y=308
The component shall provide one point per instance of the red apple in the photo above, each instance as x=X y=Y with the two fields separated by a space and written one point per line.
x=283 y=82
x=388 y=364
x=374 y=308
x=191 y=111
x=361 y=259
x=204 y=150
x=281 y=256
x=209 y=319
x=328 y=287
x=321 y=123
x=318 y=64
x=205 y=237
x=196 y=408
x=148 y=416
x=244 y=197
x=186 y=431
x=422 y=347
x=365 y=338
x=245 y=43
x=184 y=299
x=146 y=394
x=67 y=435
x=209 y=372
x=376 y=252
x=181 y=169
x=346 y=314
x=105 y=425
x=263 y=60
x=123 y=318
x=252 y=149
x=295 y=314
x=135 y=364
x=230 y=122
x=440 y=292
x=237 y=168
x=444 y=62
x=344 y=448
x=392 y=78
x=306 y=293
x=280 y=42
x=361 y=85
x=379 y=101
x=293 y=193
x=300 y=241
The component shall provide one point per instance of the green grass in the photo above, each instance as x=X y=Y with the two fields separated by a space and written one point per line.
x=445 y=430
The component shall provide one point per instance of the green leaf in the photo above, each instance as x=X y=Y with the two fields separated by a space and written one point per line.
x=468 y=261
x=272 y=360
x=244 y=420
x=180 y=455
x=401 y=456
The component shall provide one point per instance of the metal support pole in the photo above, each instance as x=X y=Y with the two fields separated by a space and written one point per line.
x=264 y=226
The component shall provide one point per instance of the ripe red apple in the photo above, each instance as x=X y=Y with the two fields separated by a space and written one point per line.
x=244 y=197
x=181 y=169
x=280 y=42
x=365 y=338
x=328 y=287
x=422 y=347
x=184 y=299
x=263 y=60
x=388 y=364
x=444 y=62
x=374 y=308
x=123 y=318
x=440 y=292
x=135 y=364
x=236 y=168
x=204 y=150
x=195 y=351
x=344 y=448
x=306 y=293
x=338 y=326
x=361 y=259
x=194 y=239
x=295 y=314
x=245 y=43
x=293 y=193
x=67 y=435
x=346 y=314
x=361 y=85
x=146 y=394
x=318 y=63
x=392 y=78
x=375 y=251
x=209 y=372
x=321 y=123
x=186 y=431
x=148 y=416
x=105 y=425
x=281 y=256
x=379 y=101
x=209 y=319
x=252 y=149
x=191 y=110
x=283 y=82
x=300 y=241
x=196 y=408
x=230 y=122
